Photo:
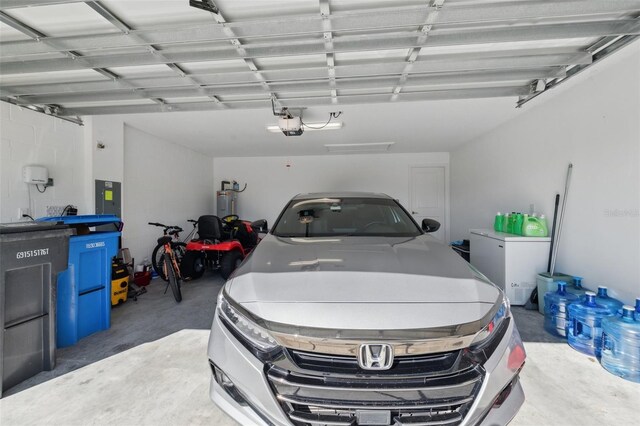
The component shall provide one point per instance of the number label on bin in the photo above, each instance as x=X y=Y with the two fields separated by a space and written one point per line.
x=32 y=253
x=94 y=245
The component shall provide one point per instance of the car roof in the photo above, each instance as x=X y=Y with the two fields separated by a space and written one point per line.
x=341 y=194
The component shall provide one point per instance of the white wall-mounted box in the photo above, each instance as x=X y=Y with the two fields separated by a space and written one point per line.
x=35 y=175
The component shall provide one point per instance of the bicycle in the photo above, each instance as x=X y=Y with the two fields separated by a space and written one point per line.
x=177 y=246
x=170 y=267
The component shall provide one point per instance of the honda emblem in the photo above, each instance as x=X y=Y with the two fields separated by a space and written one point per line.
x=375 y=356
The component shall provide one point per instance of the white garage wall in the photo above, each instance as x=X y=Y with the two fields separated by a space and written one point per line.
x=272 y=181
x=30 y=138
x=163 y=182
x=593 y=122
x=104 y=163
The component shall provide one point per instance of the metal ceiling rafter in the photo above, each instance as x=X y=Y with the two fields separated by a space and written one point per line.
x=53 y=111
x=310 y=25
x=599 y=50
x=237 y=44
x=435 y=7
x=15 y=4
x=41 y=37
x=306 y=101
x=325 y=13
x=433 y=82
x=436 y=64
x=347 y=44
x=36 y=35
x=117 y=22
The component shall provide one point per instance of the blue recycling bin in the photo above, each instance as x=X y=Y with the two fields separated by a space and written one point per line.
x=84 y=289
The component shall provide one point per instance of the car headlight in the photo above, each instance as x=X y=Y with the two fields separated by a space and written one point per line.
x=491 y=330
x=254 y=337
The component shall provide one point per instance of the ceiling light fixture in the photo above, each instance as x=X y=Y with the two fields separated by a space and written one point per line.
x=310 y=127
x=360 y=147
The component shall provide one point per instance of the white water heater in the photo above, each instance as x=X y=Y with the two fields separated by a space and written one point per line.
x=226 y=203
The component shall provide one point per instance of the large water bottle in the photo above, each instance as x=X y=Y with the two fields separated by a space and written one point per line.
x=576 y=288
x=584 y=325
x=604 y=299
x=555 y=309
x=621 y=344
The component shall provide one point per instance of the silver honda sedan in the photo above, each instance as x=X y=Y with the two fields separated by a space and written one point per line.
x=349 y=313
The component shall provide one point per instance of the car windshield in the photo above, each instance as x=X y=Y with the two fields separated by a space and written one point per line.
x=327 y=217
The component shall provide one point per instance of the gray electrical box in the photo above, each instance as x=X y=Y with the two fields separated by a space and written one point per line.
x=108 y=197
x=108 y=200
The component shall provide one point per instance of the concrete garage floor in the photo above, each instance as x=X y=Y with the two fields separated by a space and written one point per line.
x=151 y=368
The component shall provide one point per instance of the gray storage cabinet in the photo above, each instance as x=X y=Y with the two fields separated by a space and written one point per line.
x=31 y=256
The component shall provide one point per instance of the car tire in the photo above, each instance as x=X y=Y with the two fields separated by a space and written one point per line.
x=230 y=261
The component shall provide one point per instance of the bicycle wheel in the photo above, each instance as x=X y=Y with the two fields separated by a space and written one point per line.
x=173 y=279
x=157 y=258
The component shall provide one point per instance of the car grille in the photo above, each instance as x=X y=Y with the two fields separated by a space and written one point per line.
x=319 y=389
x=418 y=364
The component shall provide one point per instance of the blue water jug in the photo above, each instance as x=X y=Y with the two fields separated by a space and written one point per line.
x=621 y=344
x=555 y=309
x=637 y=307
x=576 y=287
x=604 y=299
x=584 y=325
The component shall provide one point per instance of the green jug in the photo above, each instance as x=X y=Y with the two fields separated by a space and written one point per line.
x=535 y=227
x=497 y=223
x=517 y=224
x=505 y=222
x=511 y=223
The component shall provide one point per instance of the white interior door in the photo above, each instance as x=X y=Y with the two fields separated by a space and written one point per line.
x=427 y=196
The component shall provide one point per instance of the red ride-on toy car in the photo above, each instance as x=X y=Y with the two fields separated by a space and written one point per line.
x=221 y=244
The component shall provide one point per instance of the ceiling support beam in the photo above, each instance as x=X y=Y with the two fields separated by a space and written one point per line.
x=601 y=49
x=241 y=51
x=126 y=29
x=77 y=57
x=435 y=65
x=325 y=13
x=346 y=44
x=381 y=97
x=342 y=23
x=478 y=79
x=23 y=28
x=46 y=110
x=414 y=52
x=15 y=4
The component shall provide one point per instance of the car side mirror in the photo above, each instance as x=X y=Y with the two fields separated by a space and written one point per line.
x=430 y=225
x=260 y=226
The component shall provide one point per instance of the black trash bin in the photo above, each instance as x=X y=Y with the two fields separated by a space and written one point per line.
x=31 y=256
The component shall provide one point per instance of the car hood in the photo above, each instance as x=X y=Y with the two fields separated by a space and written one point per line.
x=361 y=283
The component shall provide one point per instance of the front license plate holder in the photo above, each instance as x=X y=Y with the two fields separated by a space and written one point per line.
x=373 y=417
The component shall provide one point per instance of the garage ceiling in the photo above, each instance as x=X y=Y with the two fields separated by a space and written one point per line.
x=74 y=58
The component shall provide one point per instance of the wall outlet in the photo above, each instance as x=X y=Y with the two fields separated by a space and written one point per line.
x=23 y=211
x=49 y=182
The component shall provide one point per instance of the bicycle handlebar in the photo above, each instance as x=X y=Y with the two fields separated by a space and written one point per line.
x=166 y=227
x=192 y=221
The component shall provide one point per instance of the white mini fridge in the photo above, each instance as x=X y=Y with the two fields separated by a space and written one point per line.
x=510 y=261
